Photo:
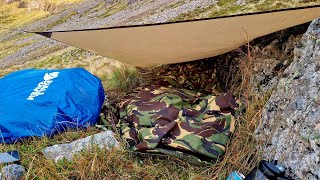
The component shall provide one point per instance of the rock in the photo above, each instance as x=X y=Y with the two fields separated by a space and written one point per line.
x=264 y=77
x=111 y=2
x=272 y=59
x=61 y=151
x=130 y=2
x=10 y=1
x=241 y=2
x=292 y=114
x=12 y=172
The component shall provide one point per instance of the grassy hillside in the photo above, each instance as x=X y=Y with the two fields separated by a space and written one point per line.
x=229 y=7
x=16 y=14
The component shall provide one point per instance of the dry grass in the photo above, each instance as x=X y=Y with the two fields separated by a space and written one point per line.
x=123 y=78
x=242 y=153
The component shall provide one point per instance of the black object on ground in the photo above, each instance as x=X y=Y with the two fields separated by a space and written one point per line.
x=267 y=170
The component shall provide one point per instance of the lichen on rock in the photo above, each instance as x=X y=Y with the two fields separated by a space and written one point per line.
x=290 y=118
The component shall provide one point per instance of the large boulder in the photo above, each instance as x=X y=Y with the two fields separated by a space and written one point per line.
x=291 y=118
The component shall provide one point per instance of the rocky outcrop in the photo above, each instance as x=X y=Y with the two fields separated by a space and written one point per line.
x=272 y=54
x=290 y=123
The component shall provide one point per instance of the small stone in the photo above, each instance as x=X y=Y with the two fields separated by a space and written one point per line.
x=12 y=172
x=241 y=2
x=67 y=151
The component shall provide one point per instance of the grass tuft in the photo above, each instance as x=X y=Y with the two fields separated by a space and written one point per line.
x=123 y=78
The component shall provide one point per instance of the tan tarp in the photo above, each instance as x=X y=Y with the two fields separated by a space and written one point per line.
x=183 y=41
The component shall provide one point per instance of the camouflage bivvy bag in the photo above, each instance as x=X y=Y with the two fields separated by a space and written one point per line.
x=179 y=115
x=191 y=126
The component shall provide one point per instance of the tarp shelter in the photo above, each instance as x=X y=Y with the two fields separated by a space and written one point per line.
x=43 y=102
x=167 y=43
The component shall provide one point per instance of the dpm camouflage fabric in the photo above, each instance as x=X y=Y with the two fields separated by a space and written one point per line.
x=179 y=115
x=182 y=123
x=197 y=75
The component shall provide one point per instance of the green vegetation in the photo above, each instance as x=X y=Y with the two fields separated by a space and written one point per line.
x=114 y=8
x=13 y=15
x=67 y=58
x=123 y=78
x=222 y=11
x=196 y=14
x=8 y=47
x=60 y=21
x=95 y=9
x=226 y=2
x=229 y=7
x=174 y=5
